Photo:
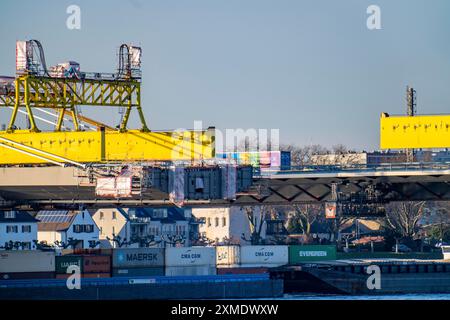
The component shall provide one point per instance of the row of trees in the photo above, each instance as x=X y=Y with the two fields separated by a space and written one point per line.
x=406 y=221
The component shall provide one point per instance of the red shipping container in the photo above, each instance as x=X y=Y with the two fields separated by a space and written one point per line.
x=96 y=264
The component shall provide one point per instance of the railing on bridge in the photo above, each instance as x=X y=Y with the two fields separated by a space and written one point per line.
x=354 y=168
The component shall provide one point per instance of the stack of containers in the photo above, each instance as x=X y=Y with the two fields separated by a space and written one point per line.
x=138 y=262
x=27 y=264
x=265 y=160
x=250 y=259
x=91 y=266
x=190 y=261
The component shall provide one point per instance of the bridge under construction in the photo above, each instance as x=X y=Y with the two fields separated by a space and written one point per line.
x=82 y=161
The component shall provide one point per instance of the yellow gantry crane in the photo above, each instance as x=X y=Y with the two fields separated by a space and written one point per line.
x=412 y=131
x=61 y=89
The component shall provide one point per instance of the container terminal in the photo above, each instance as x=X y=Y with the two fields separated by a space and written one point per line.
x=83 y=165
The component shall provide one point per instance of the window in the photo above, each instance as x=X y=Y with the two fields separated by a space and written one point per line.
x=102 y=215
x=217 y=222
x=209 y=222
x=114 y=215
x=114 y=231
x=12 y=229
x=26 y=229
x=10 y=214
x=224 y=222
x=80 y=228
x=101 y=230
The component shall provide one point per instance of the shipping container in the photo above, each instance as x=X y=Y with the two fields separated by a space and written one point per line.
x=265 y=160
x=228 y=181
x=203 y=183
x=205 y=270
x=228 y=255
x=27 y=261
x=63 y=262
x=96 y=264
x=139 y=257
x=264 y=255
x=190 y=256
x=242 y=270
x=138 y=272
x=306 y=253
x=285 y=160
x=27 y=275
x=244 y=178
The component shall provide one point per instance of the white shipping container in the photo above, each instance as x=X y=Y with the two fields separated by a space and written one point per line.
x=190 y=256
x=191 y=271
x=27 y=261
x=264 y=255
x=228 y=255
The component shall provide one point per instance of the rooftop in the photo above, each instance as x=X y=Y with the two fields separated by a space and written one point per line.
x=8 y=216
x=55 y=220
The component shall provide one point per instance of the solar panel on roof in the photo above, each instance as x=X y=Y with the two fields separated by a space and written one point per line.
x=56 y=216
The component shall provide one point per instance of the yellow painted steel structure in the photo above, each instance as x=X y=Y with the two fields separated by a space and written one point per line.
x=63 y=94
x=414 y=132
x=109 y=146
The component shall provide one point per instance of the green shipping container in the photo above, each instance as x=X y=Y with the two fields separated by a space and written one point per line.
x=307 y=253
x=63 y=262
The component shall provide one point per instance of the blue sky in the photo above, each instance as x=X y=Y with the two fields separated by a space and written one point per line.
x=310 y=68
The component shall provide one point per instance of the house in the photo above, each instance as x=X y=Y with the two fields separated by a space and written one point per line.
x=160 y=227
x=113 y=223
x=18 y=230
x=229 y=224
x=64 y=227
x=357 y=228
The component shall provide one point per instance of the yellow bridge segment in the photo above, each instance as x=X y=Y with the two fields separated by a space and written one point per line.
x=414 y=132
x=108 y=146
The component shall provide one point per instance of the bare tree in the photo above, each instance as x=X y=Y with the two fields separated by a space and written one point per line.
x=256 y=222
x=305 y=215
x=119 y=241
x=438 y=213
x=303 y=156
x=403 y=217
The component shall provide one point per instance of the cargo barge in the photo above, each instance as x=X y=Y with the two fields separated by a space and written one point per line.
x=352 y=277
x=146 y=288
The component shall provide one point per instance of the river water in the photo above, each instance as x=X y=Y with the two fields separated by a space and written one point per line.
x=367 y=297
